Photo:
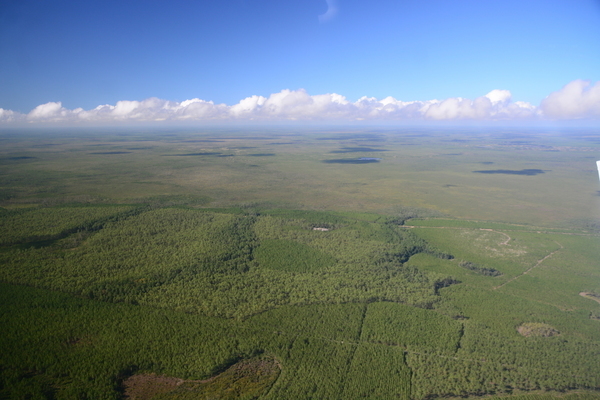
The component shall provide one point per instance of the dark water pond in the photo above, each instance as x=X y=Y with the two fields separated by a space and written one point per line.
x=112 y=152
x=203 y=141
x=251 y=137
x=368 y=136
x=362 y=160
x=20 y=158
x=355 y=150
x=193 y=154
x=529 y=172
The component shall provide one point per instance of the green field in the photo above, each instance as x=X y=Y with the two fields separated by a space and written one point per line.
x=238 y=264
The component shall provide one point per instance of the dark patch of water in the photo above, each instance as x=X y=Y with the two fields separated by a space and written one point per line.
x=486 y=162
x=362 y=160
x=355 y=150
x=420 y=135
x=203 y=141
x=251 y=137
x=193 y=154
x=20 y=158
x=368 y=136
x=528 y=172
x=112 y=152
x=225 y=155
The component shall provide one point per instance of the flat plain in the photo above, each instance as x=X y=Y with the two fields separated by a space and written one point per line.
x=300 y=263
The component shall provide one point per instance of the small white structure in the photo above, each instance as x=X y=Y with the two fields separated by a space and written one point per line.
x=598 y=164
x=326 y=229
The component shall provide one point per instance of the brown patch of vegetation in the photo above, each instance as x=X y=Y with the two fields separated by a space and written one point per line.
x=146 y=386
x=246 y=379
x=537 y=329
x=79 y=341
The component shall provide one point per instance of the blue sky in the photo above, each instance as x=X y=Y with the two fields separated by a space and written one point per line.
x=89 y=53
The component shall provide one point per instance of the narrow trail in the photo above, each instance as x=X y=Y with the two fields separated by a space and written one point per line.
x=503 y=230
x=406 y=351
x=590 y=296
x=529 y=269
x=358 y=340
x=454 y=356
x=508 y=238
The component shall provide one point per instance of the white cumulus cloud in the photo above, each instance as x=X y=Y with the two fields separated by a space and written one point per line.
x=578 y=99
x=499 y=96
x=9 y=116
x=53 y=111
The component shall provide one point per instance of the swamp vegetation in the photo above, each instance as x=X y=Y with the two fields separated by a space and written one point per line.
x=130 y=271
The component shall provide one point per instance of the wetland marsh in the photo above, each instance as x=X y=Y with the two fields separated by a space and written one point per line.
x=201 y=260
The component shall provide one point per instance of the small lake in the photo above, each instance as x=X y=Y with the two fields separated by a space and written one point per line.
x=112 y=152
x=361 y=160
x=528 y=172
x=193 y=154
x=355 y=150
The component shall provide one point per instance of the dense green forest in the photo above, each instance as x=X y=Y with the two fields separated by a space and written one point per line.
x=222 y=264
x=95 y=295
x=246 y=265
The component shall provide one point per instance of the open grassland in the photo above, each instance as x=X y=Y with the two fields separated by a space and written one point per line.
x=418 y=168
x=552 y=267
x=221 y=264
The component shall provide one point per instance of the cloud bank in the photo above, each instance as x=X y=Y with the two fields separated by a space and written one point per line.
x=576 y=100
